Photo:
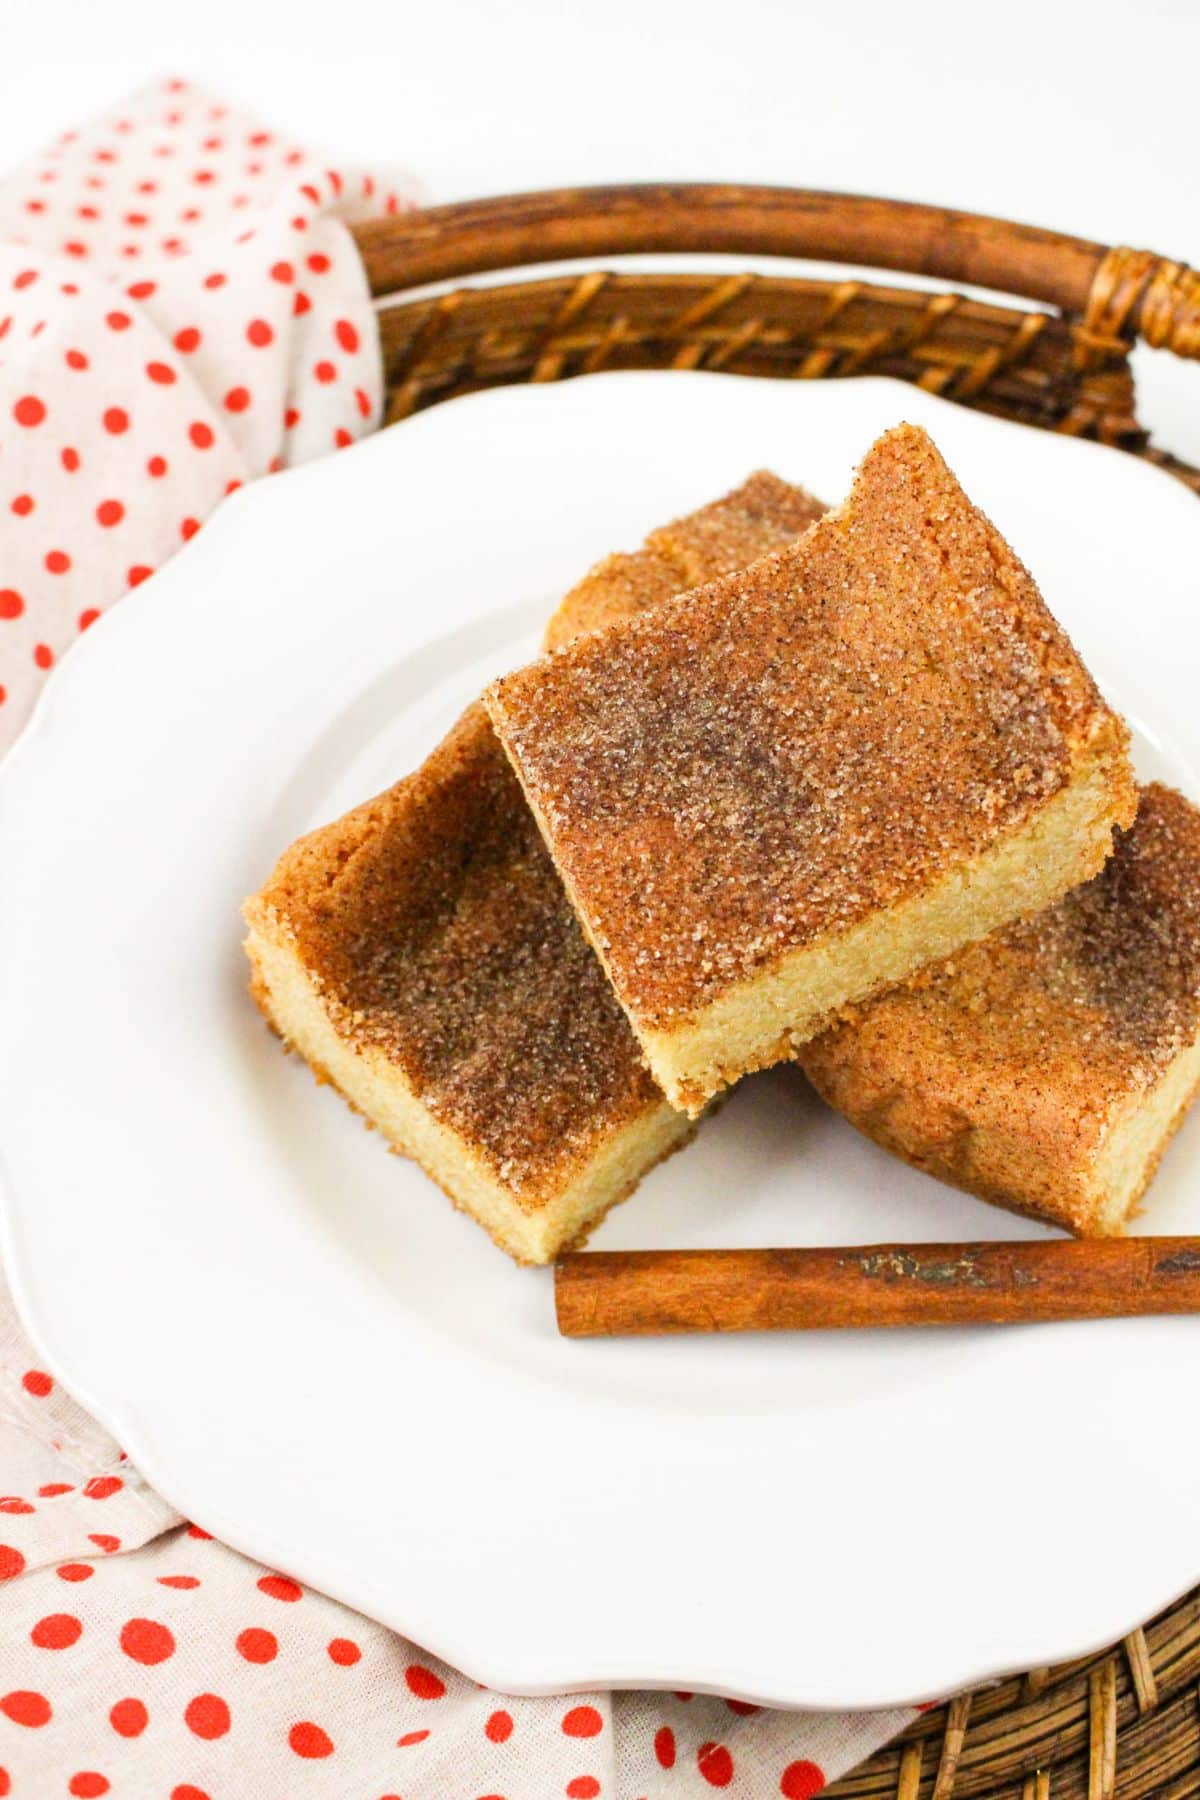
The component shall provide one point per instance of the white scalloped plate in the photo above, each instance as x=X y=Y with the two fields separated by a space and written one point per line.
x=294 y=1335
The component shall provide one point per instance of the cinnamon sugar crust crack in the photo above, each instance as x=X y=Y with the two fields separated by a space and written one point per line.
x=794 y=786
x=421 y=954
x=1047 y=1068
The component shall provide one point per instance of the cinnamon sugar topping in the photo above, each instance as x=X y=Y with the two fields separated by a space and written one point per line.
x=438 y=931
x=1009 y=1068
x=761 y=515
x=773 y=757
x=1109 y=979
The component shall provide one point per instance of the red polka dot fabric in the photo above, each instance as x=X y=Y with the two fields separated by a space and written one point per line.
x=140 y=1652
x=181 y=309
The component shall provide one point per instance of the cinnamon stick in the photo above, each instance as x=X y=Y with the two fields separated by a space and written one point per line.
x=626 y=1293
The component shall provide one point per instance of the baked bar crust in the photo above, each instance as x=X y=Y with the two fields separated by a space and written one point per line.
x=794 y=786
x=1047 y=1068
x=761 y=515
x=421 y=955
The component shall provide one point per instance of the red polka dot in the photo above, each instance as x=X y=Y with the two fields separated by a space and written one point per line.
x=342 y=438
x=109 y=512
x=87 y=1785
x=715 y=1764
x=280 y=1587
x=582 y=1721
x=201 y=435
x=24 y=1707
x=57 y=1631
x=307 y=1739
x=116 y=420
x=142 y=290
x=346 y=335
x=743 y=1708
x=23 y=506
x=801 y=1780
x=57 y=561
x=423 y=1682
x=146 y=1641
x=185 y=1791
x=25 y=279
x=29 y=410
x=74 y=248
x=282 y=271
x=214 y=281
x=129 y=1718
x=257 y=1646
x=499 y=1727
x=138 y=573
x=156 y=466
x=161 y=372
x=118 y=321
x=75 y=359
x=101 y=1486
x=70 y=460
x=301 y=303
x=11 y=604
x=207 y=1716
x=363 y=402
x=11 y=1562
x=6 y=1784
x=75 y=1571
x=104 y=1541
x=291 y=419
x=53 y=1488
x=411 y=1737
x=317 y=263
x=237 y=399
x=583 y=1787
x=178 y=1581
x=664 y=1747
x=259 y=333
x=12 y=1503
x=3 y=693
x=43 y=656
x=187 y=340
x=325 y=371
x=343 y=1651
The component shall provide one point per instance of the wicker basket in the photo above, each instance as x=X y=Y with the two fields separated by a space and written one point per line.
x=1126 y=1721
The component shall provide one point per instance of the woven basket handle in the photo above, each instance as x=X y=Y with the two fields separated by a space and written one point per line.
x=1118 y=294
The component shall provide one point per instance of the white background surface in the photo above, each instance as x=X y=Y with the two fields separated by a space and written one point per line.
x=1079 y=116
x=1059 y=112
